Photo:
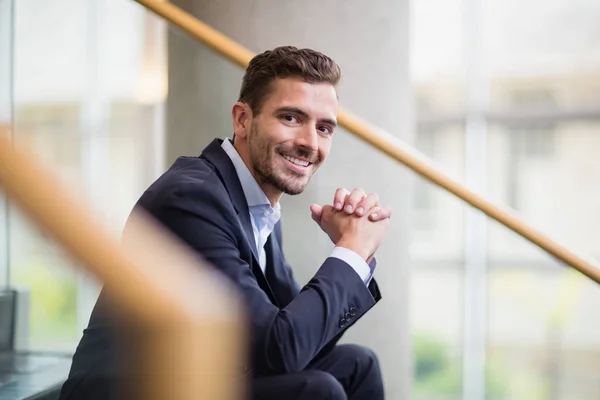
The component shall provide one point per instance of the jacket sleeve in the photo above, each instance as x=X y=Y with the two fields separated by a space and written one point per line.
x=282 y=340
x=373 y=288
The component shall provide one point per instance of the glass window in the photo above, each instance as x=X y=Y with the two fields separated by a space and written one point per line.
x=436 y=247
x=536 y=87
x=92 y=113
x=6 y=62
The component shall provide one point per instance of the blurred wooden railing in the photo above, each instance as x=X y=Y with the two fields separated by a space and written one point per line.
x=191 y=338
x=383 y=141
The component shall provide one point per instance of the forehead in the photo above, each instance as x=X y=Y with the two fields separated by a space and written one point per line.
x=316 y=99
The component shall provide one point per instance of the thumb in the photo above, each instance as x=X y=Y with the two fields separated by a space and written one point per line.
x=315 y=212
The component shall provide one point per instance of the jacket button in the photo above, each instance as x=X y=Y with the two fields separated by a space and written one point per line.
x=343 y=322
x=352 y=311
x=347 y=315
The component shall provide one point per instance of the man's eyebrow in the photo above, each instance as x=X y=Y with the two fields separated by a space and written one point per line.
x=303 y=114
x=293 y=110
x=329 y=121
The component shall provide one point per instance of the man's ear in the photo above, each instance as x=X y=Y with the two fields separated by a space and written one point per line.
x=241 y=116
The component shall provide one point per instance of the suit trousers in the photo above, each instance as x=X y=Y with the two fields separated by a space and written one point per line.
x=346 y=372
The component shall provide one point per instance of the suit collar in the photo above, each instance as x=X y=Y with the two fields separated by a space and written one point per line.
x=215 y=154
x=252 y=191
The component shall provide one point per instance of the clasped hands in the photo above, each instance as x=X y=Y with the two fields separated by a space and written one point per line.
x=355 y=221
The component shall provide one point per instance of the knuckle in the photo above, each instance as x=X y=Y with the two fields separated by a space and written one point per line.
x=341 y=192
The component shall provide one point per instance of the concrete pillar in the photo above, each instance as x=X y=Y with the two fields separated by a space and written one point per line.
x=370 y=42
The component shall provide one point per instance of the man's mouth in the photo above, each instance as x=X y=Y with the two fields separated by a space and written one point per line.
x=297 y=161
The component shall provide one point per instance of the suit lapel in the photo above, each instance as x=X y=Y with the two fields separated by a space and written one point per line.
x=244 y=218
x=215 y=154
x=276 y=273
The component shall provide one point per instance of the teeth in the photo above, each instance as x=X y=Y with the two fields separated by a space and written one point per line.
x=297 y=161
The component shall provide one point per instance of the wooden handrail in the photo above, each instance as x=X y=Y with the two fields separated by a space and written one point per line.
x=190 y=323
x=383 y=141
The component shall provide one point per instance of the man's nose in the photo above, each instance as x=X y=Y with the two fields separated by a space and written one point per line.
x=308 y=139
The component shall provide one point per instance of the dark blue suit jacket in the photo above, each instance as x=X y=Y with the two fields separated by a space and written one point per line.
x=200 y=199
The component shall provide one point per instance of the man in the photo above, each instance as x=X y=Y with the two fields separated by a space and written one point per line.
x=225 y=205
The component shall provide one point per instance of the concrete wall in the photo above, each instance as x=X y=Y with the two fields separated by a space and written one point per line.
x=370 y=42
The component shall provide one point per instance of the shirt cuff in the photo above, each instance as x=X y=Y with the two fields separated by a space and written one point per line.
x=372 y=266
x=356 y=262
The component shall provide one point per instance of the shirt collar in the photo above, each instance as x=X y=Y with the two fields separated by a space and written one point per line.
x=254 y=194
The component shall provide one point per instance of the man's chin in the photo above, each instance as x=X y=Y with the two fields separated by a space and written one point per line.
x=288 y=182
x=294 y=191
x=293 y=188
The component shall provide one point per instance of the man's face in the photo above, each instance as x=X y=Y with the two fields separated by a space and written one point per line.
x=291 y=136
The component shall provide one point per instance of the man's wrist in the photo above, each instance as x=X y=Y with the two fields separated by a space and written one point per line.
x=365 y=254
x=354 y=260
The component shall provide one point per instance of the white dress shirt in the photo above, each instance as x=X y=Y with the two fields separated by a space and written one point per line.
x=264 y=217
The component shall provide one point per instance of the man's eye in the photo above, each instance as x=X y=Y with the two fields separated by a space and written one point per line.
x=325 y=129
x=290 y=118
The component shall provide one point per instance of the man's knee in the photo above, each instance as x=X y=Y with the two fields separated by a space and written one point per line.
x=363 y=356
x=367 y=382
x=322 y=385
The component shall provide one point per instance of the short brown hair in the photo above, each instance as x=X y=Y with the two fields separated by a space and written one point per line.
x=283 y=62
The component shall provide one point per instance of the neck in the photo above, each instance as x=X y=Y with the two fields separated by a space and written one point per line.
x=273 y=194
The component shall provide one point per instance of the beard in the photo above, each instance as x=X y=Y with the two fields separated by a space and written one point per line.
x=263 y=157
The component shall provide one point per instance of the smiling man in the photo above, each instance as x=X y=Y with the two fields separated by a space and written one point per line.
x=225 y=205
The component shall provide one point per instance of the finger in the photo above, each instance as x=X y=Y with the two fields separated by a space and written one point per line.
x=352 y=200
x=315 y=212
x=380 y=213
x=366 y=204
x=339 y=198
x=326 y=210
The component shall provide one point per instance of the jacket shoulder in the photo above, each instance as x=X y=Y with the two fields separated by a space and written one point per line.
x=190 y=178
